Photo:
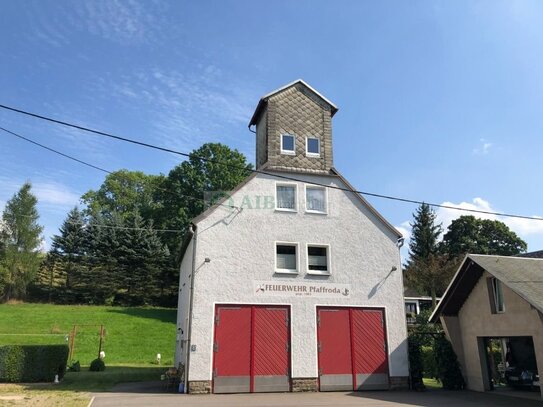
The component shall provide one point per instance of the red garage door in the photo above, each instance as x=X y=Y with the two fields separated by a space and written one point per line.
x=352 y=349
x=251 y=349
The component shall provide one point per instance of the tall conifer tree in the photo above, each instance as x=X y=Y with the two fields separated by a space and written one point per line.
x=21 y=239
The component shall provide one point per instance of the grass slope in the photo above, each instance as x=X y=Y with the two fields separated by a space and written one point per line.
x=133 y=335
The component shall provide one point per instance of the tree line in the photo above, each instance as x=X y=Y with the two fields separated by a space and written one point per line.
x=434 y=256
x=122 y=246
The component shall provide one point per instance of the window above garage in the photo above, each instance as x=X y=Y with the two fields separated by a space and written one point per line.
x=318 y=259
x=286 y=258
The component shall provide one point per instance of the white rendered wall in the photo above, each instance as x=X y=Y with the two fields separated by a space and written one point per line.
x=241 y=248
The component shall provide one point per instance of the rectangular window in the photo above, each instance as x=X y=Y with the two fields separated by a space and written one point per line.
x=411 y=307
x=498 y=295
x=315 y=199
x=312 y=147
x=286 y=260
x=287 y=144
x=285 y=197
x=318 y=259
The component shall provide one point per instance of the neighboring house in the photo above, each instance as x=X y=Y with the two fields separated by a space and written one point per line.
x=415 y=303
x=298 y=288
x=496 y=302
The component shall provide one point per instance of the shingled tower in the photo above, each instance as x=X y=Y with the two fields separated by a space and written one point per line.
x=294 y=130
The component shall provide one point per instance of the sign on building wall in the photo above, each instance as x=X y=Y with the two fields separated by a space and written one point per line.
x=300 y=289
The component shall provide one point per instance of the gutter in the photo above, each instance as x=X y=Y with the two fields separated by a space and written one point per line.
x=192 y=233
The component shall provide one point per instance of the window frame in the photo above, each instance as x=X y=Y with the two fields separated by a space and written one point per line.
x=306 y=187
x=288 y=152
x=297 y=257
x=497 y=294
x=328 y=272
x=287 y=184
x=307 y=153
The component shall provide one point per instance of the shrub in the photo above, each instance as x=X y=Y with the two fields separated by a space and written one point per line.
x=448 y=368
x=32 y=363
x=429 y=362
x=97 y=365
x=414 y=342
x=75 y=366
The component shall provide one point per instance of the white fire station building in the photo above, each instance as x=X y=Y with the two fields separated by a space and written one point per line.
x=293 y=282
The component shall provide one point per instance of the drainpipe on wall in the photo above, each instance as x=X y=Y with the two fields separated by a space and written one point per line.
x=192 y=230
x=399 y=244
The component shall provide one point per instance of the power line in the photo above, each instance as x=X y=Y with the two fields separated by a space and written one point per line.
x=109 y=172
x=233 y=166
x=55 y=151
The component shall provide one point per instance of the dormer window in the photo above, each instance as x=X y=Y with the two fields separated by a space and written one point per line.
x=287 y=144
x=312 y=147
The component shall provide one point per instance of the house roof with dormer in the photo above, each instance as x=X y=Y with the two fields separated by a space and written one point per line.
x=264 y=99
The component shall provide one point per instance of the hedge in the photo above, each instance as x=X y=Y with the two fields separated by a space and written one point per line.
x=32 y=363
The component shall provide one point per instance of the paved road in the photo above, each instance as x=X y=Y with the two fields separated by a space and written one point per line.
x=130 y=395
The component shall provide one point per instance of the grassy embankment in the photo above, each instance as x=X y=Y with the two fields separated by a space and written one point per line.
x=133 y=337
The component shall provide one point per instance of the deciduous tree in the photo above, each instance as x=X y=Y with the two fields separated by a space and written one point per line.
x=469 y=234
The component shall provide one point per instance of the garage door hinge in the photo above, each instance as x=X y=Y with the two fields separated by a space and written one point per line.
x=320 y=371
x=318 y=321
x=385 y=347
x=319 y=347
x=287 y=348
x=215 y=347
x=382 y=321
x=214 y=372
x=217 y=319
x=286 y=321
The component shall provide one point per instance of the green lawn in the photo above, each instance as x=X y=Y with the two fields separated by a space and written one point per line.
x=76 y=387
x=432 y=383
x=133 y=335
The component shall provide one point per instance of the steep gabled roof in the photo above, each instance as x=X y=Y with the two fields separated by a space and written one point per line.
x=264 y=99
x=523 y=275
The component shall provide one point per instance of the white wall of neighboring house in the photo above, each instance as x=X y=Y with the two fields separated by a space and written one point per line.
x=240 y=246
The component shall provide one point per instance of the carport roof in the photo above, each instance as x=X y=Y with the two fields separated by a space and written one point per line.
x=523 y=275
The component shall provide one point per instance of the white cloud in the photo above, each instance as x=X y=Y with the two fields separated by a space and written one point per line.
x=521 y=226
x=483 y=148
x=186 y=109
x=405 y=230
x=55 y=194
x=48 y=192
x=524 y=228
x=123 y=21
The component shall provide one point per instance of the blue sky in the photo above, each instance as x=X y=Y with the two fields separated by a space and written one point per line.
x=439 y=100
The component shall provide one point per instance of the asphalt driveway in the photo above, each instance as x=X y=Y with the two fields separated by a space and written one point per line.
x=147 y=395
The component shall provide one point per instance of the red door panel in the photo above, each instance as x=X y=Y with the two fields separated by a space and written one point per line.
x=369 y=347
x=270 y=349
x=232 y=350
x=334 y=347
x=270 y=341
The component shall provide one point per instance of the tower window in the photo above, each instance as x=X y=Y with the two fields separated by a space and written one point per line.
x=287 y=144
x=312 y=147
